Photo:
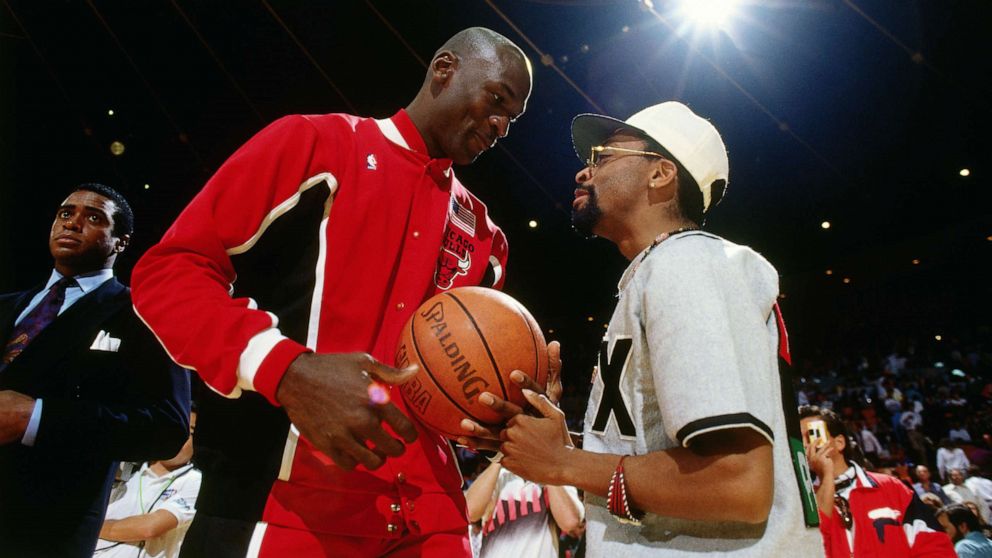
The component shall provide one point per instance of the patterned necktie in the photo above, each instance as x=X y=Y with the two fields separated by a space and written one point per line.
x=40 y=316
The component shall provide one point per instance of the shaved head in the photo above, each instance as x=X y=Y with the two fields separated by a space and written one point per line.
x=482 y=43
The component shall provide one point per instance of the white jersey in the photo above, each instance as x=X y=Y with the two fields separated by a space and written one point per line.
x=146 y=492
x=521 y=525
x=692 y=347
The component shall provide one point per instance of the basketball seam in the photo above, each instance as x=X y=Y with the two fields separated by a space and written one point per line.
x=533 y=339
x=482 y=336
x=420 y=357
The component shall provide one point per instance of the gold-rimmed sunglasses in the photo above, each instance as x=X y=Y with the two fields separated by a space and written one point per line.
x=597 y=150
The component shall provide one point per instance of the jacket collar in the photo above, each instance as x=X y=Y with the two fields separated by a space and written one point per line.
x=400 y=130
x=864 y=481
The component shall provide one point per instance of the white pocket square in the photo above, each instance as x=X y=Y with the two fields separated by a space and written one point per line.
x=104 y=342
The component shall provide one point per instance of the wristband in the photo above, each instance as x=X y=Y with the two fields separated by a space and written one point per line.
x=616 y=498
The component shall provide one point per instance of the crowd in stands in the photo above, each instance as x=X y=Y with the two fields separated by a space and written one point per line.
x=922 y=403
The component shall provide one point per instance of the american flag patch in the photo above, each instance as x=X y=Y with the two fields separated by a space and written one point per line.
x=462 y=216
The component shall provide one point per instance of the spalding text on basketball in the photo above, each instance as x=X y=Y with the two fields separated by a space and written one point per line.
x=416 y=395
x=472 y=384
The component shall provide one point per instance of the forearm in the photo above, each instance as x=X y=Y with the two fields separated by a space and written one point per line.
x=566 y=509
x=183 y=297
x=183 y=286
x=478 y=496
x=143 y=431
x=718 y=486
x=138 y=527
x=825 y=496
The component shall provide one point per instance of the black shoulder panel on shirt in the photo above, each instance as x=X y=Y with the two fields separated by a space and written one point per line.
x=721 y=422
x=239 y=442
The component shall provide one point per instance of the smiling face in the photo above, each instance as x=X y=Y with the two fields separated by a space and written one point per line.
x=82 y=238
x=478 y=98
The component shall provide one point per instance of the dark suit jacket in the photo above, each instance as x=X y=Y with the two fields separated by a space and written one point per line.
x=99 y=407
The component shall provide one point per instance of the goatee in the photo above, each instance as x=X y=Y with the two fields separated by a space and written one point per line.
x=585 y=218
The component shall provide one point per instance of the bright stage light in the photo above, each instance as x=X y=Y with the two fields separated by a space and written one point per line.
x=708 y=12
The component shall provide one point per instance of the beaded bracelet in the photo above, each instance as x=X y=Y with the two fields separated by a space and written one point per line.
x=617 y=498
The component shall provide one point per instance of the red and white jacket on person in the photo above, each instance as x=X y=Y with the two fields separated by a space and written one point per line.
x=322 y=233
x=890 y=521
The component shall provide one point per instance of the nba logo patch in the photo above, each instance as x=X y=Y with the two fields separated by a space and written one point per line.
x=370 y=162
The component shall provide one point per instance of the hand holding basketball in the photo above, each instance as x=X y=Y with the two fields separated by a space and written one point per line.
x=537 y=448
x=477 y=348
x=328 y=399
x=477 y=436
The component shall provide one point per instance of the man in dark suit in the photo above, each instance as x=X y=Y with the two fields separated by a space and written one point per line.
x=83 y=384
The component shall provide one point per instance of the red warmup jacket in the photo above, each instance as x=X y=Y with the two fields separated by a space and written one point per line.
x=890 y=521
x=322 y=233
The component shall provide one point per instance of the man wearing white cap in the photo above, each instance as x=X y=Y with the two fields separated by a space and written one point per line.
x=687 y=447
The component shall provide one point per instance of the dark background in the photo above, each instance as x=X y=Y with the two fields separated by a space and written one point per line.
x=860 y=113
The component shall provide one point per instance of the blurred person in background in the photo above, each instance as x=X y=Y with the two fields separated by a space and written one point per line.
x=152 y=511
x=519 y=518
x=926 y=485
x=964 y=529
x=864 y=513
x=950 y=456
x=959 y=493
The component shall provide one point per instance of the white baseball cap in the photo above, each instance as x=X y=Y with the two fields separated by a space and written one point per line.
x=691 y=140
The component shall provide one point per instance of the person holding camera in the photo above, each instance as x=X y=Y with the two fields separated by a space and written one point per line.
x=864 y=513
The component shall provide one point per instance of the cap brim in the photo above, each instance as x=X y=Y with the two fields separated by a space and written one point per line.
x=589 y=130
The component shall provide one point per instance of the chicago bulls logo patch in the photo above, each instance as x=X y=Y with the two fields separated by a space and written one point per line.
x=449 y=266
x=457 y=245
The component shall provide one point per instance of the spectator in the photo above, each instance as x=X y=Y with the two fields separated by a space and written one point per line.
x=163 y=493
x=950 y=456
x=964 y=529
x=958 y=492
x=911 y=421
x=864 y=513
x=956 y=399
x=870 y=445
x=926 y=485
x=980 y=485
x=519 y=518
x=958 y=432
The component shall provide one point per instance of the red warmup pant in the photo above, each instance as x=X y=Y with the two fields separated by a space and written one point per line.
x=288 y=542
x=214 y=537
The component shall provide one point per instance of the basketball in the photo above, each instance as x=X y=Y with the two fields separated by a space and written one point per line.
x=467 y=341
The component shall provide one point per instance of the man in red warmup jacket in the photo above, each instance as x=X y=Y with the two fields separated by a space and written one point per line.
x=285 y=283
x=864 y=514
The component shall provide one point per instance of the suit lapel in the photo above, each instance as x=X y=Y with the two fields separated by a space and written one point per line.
x=76 y=326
